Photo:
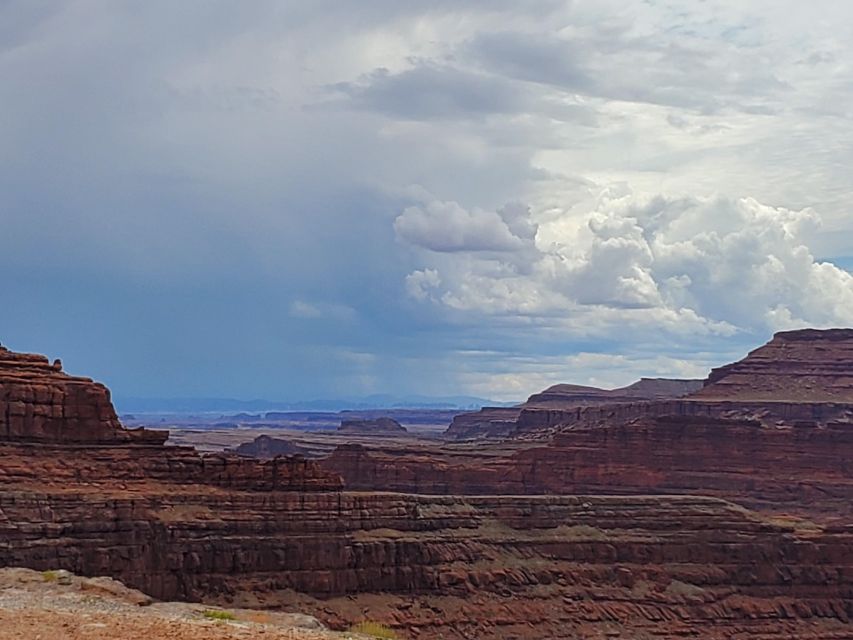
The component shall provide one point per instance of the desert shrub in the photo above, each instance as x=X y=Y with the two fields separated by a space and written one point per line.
x=216 y=614
x=375 y=629
x=49 y=576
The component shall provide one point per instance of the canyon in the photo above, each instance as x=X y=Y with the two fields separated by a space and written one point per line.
x=713 y=512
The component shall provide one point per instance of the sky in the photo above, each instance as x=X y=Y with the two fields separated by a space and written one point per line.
x=294 y=200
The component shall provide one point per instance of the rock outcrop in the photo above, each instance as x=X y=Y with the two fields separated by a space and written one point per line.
x=809 y=365
x=382 y=426
x=502 y=422
x=799 y=376
x=39 y=402
x=572 y=395
x=265 y=447
x=488 y=422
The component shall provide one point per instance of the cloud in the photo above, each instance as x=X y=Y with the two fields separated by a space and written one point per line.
x=166 y=167
x=304 y=310
x=426 y=91
x=448 y=227
x=687 y=263
x=421 y=284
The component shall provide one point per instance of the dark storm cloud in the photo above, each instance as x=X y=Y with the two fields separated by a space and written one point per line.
x=427 y=91
x=610 y=63
x=185 y=209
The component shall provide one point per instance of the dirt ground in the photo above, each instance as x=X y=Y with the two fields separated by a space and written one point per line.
x=59 y=606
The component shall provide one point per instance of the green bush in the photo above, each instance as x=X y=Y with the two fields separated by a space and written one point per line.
x=216 y=614
x=49 y=576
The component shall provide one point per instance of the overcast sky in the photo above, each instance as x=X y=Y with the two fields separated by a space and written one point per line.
x=312 y=199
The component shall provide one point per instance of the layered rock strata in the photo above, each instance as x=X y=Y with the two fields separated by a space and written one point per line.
x=808 y=365
x=266 y=447
x=799 y=376
x=40 y=402
x=501 y=422
x=282 y=533
x=382 y=426
x=557 y=567
x=803 y=469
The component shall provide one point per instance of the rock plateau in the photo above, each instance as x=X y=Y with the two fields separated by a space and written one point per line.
x=83 y=494
x=501 y=422
x=377 y=427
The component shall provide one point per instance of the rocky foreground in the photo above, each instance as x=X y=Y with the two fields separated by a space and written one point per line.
x=648 y=522
x=57 y=605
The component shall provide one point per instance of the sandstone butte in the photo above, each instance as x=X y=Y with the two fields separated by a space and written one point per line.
x=500 y=422
x=381 y=426
x=79 y=492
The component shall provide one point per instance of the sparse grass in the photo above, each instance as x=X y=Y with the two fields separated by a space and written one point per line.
x=797 y=523
x=217 y=614
x=375 y=629
x=49 y=576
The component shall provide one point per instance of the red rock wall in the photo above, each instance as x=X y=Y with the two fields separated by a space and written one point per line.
x=540 y=422
x=488 y=422
x=38 y=402
x=105 y=466
x=489 y=567
x=803 y=468
x=808 y=365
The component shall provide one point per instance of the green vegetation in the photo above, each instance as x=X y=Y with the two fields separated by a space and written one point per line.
x=49 y=576
x=216 y=614
x=374 y=629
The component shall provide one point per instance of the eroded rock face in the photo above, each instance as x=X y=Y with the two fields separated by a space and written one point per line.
x=772 y=431
x=488 y=422
x=503 y=422
x=40 y=402
x=447 y=566
x=382 y=426
x=282 y=533
x=801 y=469
x=571 y=395
x=809 y=365
x=265 y=447
x=799 y=376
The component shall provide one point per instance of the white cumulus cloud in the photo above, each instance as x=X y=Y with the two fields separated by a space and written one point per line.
x=448 y=227
x=682 y=263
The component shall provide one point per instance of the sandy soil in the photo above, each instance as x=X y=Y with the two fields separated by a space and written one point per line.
x=59 y=606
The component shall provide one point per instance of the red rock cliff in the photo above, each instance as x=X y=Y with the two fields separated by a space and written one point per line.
x=39 y=402
x=809 y=365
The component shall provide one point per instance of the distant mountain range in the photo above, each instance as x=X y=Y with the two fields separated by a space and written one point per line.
x=230 y=405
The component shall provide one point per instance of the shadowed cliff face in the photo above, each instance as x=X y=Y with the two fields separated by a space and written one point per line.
x=283 y=533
